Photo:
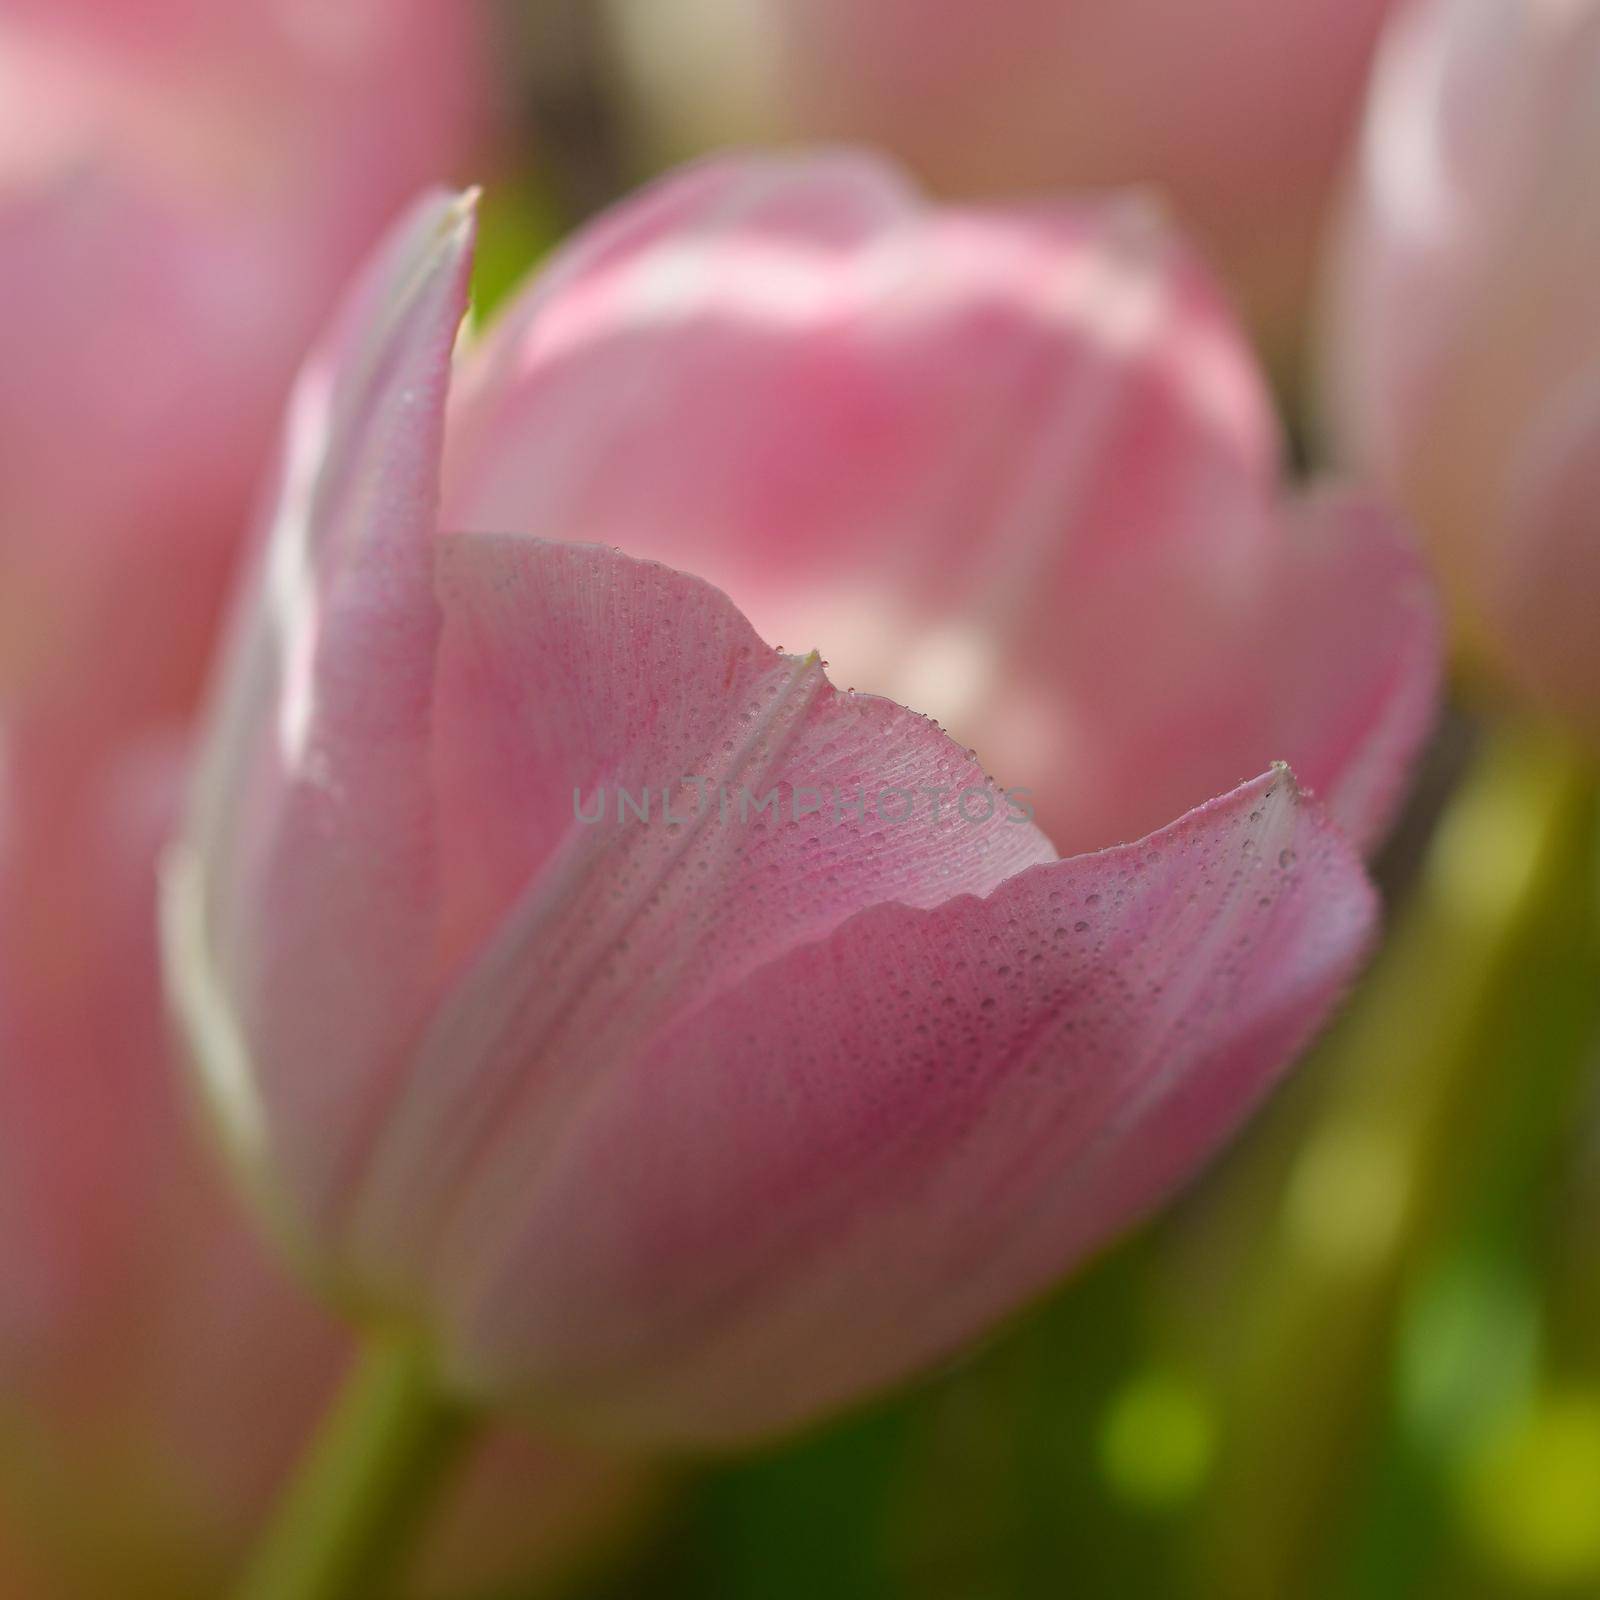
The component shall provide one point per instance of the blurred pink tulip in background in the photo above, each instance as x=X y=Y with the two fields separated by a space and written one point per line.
x=184 y=186
x=687 y=1130
x=1462 y=340
x=1238 y=112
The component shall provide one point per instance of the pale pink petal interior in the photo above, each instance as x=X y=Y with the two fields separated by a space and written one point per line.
x=1012 y=466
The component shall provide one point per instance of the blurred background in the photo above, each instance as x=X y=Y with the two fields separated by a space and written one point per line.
x=1362 y=1357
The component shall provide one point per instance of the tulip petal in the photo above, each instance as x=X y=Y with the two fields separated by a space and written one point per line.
x=569 y=671
x=1545 y=584
x=814 y=322
x=1351 y=649
x=855 y=1158
x=311 y=934
x=1013 y=466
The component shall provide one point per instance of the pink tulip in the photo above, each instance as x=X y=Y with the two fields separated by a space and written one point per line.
x=689 y=1128
x=1239 y=111
x=158 y=1377
x=184 y=186
x=1463 y=348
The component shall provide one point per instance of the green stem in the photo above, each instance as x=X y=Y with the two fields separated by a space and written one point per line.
x=1416 y=1082
x=348 y=1520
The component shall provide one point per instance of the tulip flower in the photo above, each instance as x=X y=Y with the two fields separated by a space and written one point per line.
x=1239 y=112
x=158 y=1374
x=1463 y=335
x=185 y=185
x=587 y=985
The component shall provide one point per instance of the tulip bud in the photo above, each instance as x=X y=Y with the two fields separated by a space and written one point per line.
x=761 y=1084
x=1237 y=111
x=1462 y=351
x=184 y=187
x=158 y=1375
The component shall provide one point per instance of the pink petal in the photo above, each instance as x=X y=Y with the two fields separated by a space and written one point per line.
x=842 y=1166
x=1012 y=466
x=1330 y=650
x=568 y=670
x=1545 y=574
x=1353 y=650
x=302 y=912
